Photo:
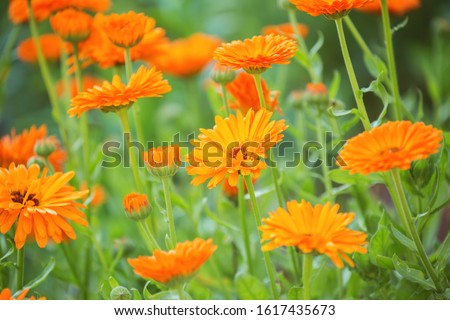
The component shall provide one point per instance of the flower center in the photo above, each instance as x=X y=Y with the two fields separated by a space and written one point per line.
x=18 y=197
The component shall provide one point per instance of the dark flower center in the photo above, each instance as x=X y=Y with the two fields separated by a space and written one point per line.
x=18 y=197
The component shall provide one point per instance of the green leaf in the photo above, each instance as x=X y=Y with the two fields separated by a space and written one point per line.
x=295 y=293
x=136 y=294
x=44 y=274
x=443 y=253
x=404 y=240
x=113 y=282
x=381 y=244
x=146 y=292
x=9 y=252
x=341 y=113
x=250 y=287
x=375 y=66
x=105 y=290
x=316 y=47
x=335 y=84
x=411 y=274
x=345 y=177
x=385 y=262
x=400 y=26
x=165 y=295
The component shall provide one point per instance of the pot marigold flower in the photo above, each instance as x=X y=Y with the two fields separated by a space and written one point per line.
x=136 y=206
x=236 y=145
x=177 y=264
x=51 y=46
x=72 y=25
x=87 y=82
x=394 y=144
x=97 y=196
x=6 y=294
x=243 y=89
x=163 y=161
x=186 y=57
x=286 y=30
x=257 y=54
x=320 y=228
x=330 y=8
x=39 y=204
x=112 y=97
x=398 y=7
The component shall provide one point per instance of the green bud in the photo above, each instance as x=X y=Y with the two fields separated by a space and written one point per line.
x=222 y=74
x=286 y=5
x=422 y=171
x=120 y=293
x=37 y=160
x=44 y=147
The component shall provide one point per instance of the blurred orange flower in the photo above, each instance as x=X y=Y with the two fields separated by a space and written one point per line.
x=329 y=8
x=136 y=206
x=163 y=161
x=6 y=294
x=97 y=194
x=51 y=45
x=88 y=82
x=398 y=7
x=319 y=228
x=177 y=264
x=286 y=30
x=236 y=145
x=394 y=144
x=39 y=204
x=112 y=97
x=186 y=57
x=257 y=54
x=72 y=25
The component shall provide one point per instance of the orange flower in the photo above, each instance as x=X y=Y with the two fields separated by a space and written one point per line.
x=97 y=194
x=136 y=206
x=243 y=90
x=39 y=204
x=19 y=148
x=316 y=89
x=392 y=145
x=51 y=46
x=181 y=262
x=112 y=97
x=88 y=82
x=72 y=25
x=330 y=8
x=186 y=57
x=236 y=145
x=286 y=30
x=257 y=54
x=319 y=228
x=6 y=294
x=232 y=192
x=398 y=7
x=163 y=162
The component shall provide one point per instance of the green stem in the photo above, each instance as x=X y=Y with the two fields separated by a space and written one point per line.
x=149 y=239
x=71 y=265
x=325 y=171
x=67 y=96
x=307 y=272
x=20 y=268
x=391 y=59
x=243 y=214
x=225 y=99
x=5 y=58
x=294 y=262
x=180 y=291
x=267 y=261
x=258 y=79
x=405 y=213
x=351 y=74
x=172 y=233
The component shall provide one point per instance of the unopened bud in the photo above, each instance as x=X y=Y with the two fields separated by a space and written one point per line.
x=120 y=293
x=136 y=206
x=222 y=74
x=44 y=147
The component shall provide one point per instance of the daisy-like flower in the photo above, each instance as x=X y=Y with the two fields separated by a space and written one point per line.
x=320 y=229
x=51 y=46
x=6 y=294
x=115 y=96
x=72 y=25
x=136 y=206
x=20 y=148
x=186 y=57
x=39 y=205
x=236 y=145
x=330 y=8
x=245 y=94
x=97 y=194
x=257 y=54
x=394 y=144
x=286 y=30
x=398 y=7
x=88 y=82
x=175 y=265
x=163 y=161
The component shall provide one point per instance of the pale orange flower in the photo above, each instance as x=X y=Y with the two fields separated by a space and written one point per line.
x=97 y=194
x=163 y=161
x=286 y=30
x=6 y=294
x=186 y=57
x=236 y=145
x=329 y=8
x=394 y=144
x=51 y=45
x=72 y=25
x=88 y=82
x=112 y=97
x=177 y=264
x=257 y=54
x=398 y=7
x=320 y=228
x=40 y=205
x=317 y=88
x=136 y=206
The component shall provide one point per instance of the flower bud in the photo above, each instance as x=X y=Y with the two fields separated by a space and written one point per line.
x=163 y=162
x=222 y=74
x=37 y=160
x=136 y=206
x=286 y=5
x=422 y=171
x=44 y=147
x=120 y=293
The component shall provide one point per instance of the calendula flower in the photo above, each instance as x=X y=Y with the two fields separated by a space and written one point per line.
x=321 y=229
x=394 y=144
x=236 y=145
x=72 y=25
x=115 y=96
x=97 y=194
x=20 y=148
x=330 y=8
x=136 y=206
x=40 y=206
x=87 y=82
x=186 y=57
x=51 y=46
x=245 y=95
x=286 y=30
x=6 y=294
x=177 y=264
x=163 y=161
x=398 y=7
x=257 y=54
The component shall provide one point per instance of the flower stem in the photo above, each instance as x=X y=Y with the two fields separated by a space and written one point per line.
x=243 y=215
x=259 y=89
x=391 y=59
x=149 y=239
x=225 y=99
x=307 y=272
x=405 y=214
x=325 y=171
x=351 y=74
x=267 y=261
x=5 y=58
x=172 y=233
x=20 y=268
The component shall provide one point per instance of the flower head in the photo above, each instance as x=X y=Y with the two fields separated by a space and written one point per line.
x=236 y=145
x=97 y=194
x=286 y=30
x=394 y=144
x=72 y=25
x=320 y=228
x=51 y=46
x=136 y=206
x=179 y=263
x=6 y=294
x=112 y=97
x=163 y=161
x=39 y=204
x=257 y=54
x=330 y=8
x=398 y=7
